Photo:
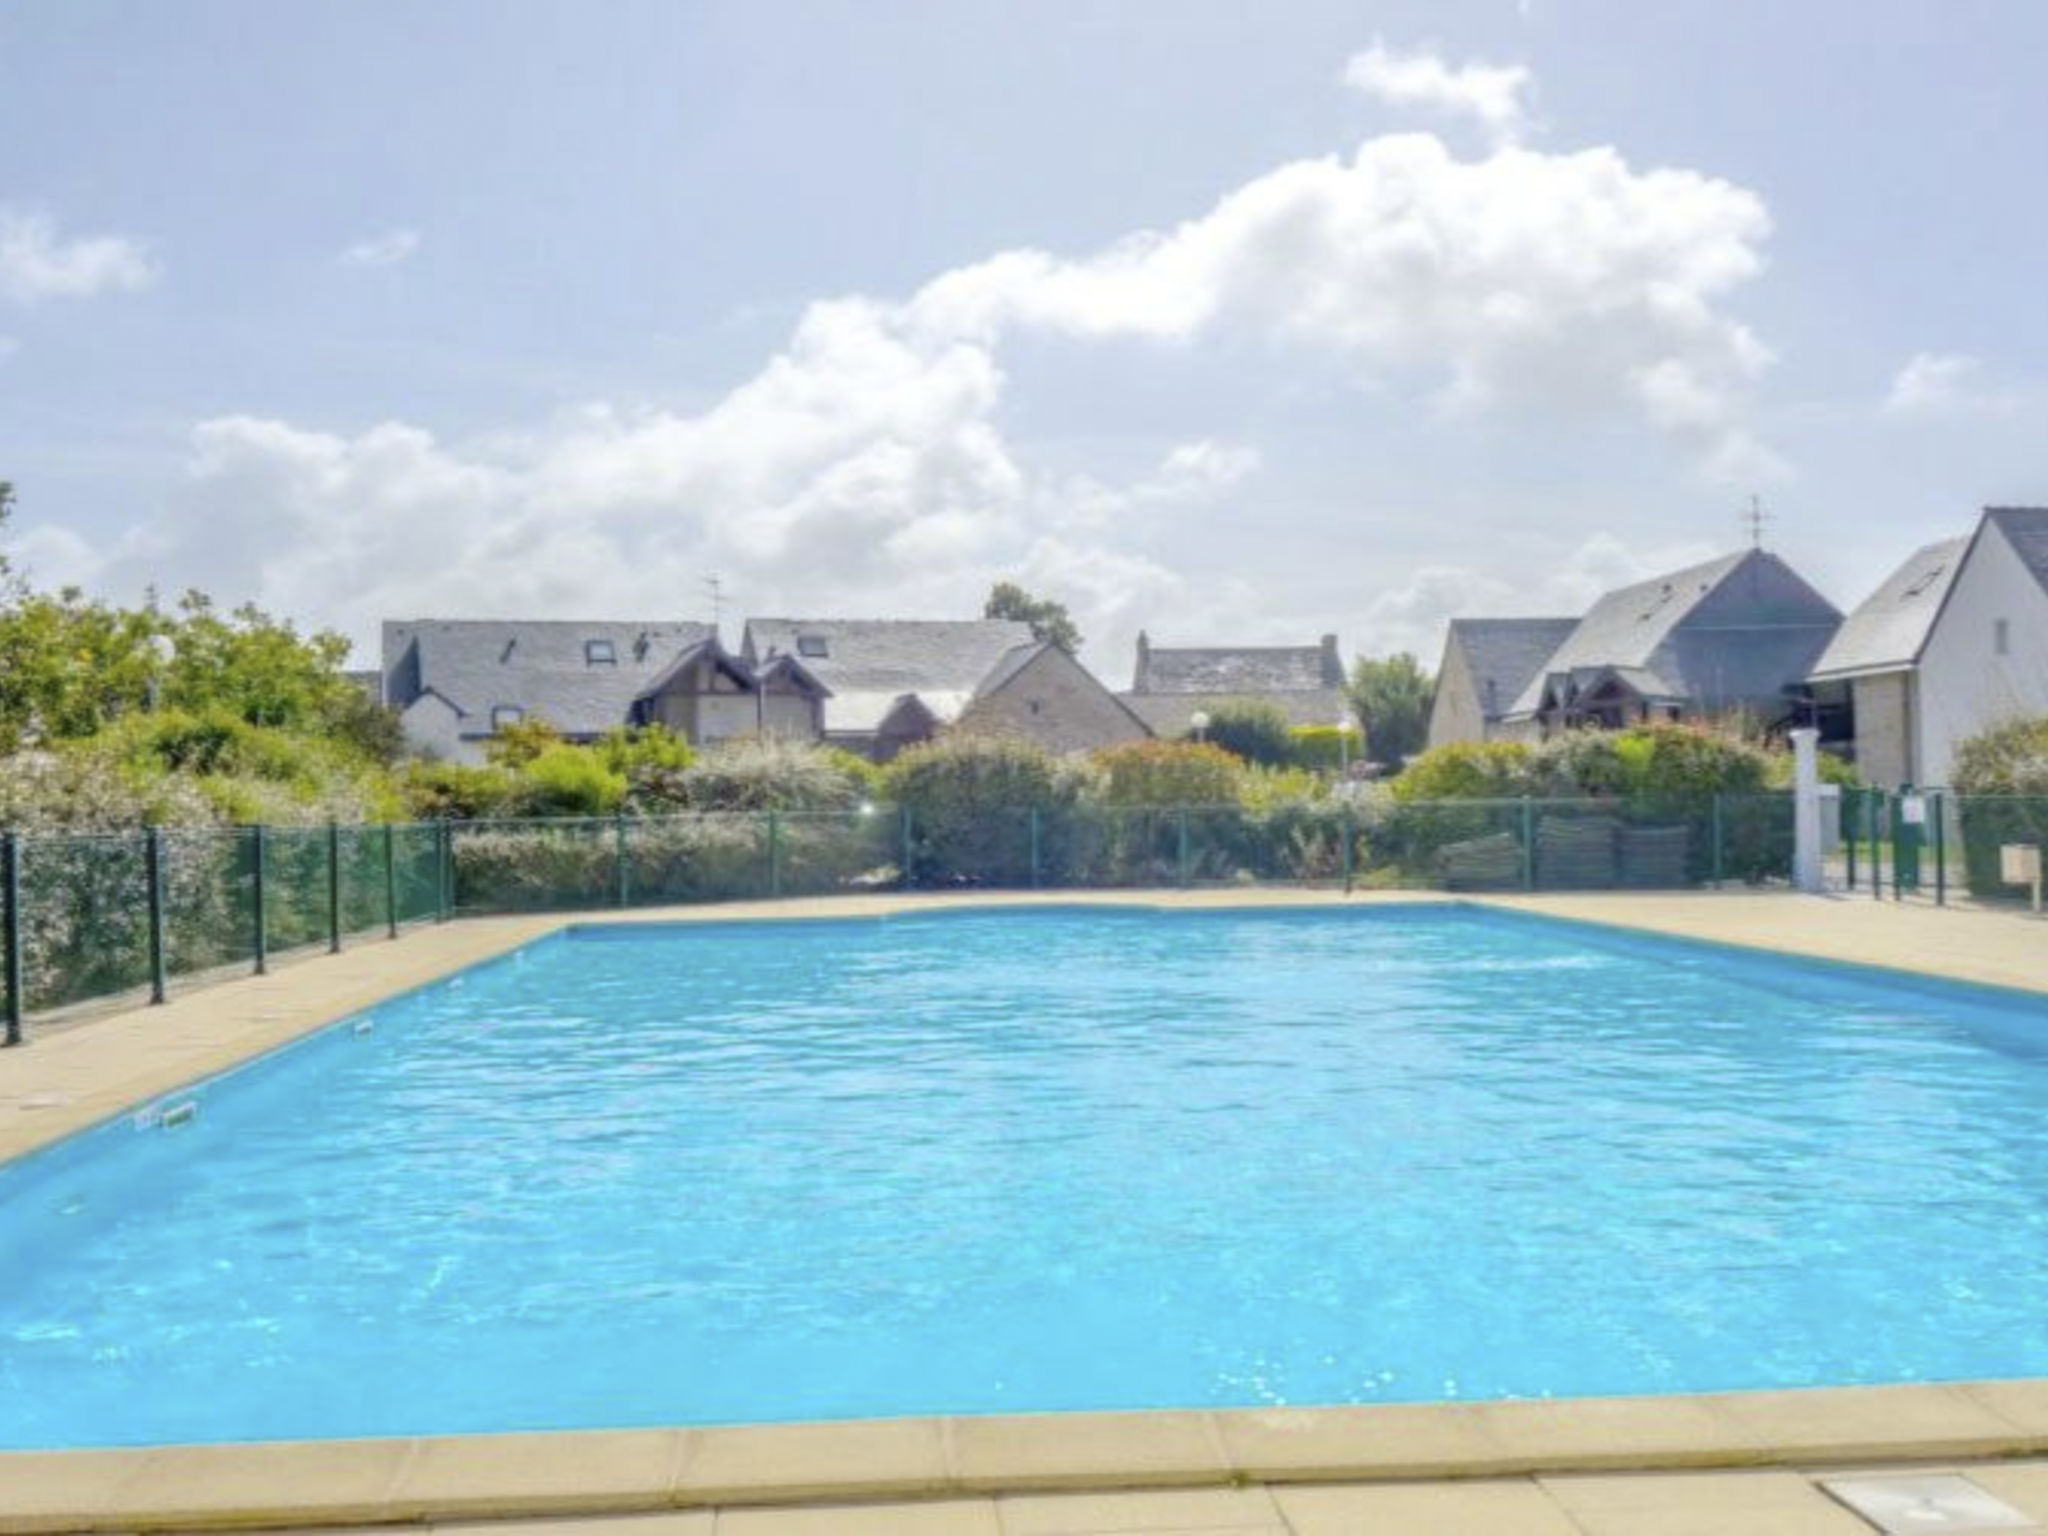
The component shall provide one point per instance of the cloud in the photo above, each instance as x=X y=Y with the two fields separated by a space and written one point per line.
x=1943 y=384
x=1490 y=94
x=36 y=263
x=864 y=466
x=1519 y=281
x=386 y=250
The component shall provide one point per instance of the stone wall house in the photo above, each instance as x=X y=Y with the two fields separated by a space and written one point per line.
x=1169 y=685
x=1486 y=665
x=1041 y=694
x=890 y=682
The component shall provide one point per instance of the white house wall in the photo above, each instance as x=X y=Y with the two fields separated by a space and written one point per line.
x=1455 y=714
x=434 y=730
x=1965 y=686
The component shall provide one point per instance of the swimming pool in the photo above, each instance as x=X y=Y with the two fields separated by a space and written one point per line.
x=1080 y=1158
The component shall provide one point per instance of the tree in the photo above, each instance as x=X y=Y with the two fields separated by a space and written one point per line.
x=1252 y=729
x=1391 y=696
x=1048 y=620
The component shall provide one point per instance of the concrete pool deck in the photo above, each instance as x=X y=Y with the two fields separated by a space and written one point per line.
x=1589 y=1465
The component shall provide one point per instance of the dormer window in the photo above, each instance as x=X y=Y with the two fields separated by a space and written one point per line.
x=1922 y=583
x=600 y=653
x=503 y=715
x=812 y=645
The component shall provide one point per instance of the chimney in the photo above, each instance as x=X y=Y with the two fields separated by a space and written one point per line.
x=1144 y=663
x=1333 y=665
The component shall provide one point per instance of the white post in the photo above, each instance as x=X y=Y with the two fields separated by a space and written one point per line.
x=1806 y=868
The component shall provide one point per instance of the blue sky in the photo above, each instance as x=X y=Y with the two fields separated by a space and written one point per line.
x=1233 y=321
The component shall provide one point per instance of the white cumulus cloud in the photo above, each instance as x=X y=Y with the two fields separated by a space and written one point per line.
x=36 y=262
x=1942 y=384
x=385 y=250
x=1493 y=95
x=864 y=467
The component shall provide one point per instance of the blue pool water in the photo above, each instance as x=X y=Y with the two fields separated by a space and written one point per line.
x=982 y=1162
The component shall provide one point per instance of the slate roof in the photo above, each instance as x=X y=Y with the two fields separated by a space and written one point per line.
x=1166 y=714
x=2026 y=529
x=1237 y=671
x=872 y=664
x=539 y=666
x=1504 y=655
x=1751 y=658
x=1887 y=630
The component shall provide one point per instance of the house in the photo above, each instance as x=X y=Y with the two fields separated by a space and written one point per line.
x=1040 y=693
x=457 y=682
x=890 y=682
x=709 y=695
x=1952 y=643
x=1733 y=636
x=1486 y=665
x=1169 y=685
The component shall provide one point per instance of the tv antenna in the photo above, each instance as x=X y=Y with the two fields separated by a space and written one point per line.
x=1753 y=518
x=716 y=588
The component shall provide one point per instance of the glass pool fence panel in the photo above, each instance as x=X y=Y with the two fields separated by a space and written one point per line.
x=416 y=871
x=820 y=853
x=295 y=890
x=84 y=918
x=209 y=893
x=1456 y=845
x=968 y=847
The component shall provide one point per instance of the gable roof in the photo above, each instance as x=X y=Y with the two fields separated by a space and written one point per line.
x=1502 y=656
x=539 y=666
x=1015 y=660
x=2026 y=529
x=1247 y=671
x=1887 y=630
x=870 y=665
x=1632 y=627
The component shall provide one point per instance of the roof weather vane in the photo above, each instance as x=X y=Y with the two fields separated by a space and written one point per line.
x=1753 y=518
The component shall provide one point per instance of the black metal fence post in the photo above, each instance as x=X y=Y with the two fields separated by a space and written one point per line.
x=1181 y=837
x=153 y=872
x=10 y=891
x=774 y=854
x=620 y=867
x=1034 y=848
x=908 y=882
x=334 y=887
x=1940 y=849
x=1874 y=803
x=390 y=880
x=444 y=869
x=259 y=840
x=1528 y=844
x=1350 y=836
x=1715 y=817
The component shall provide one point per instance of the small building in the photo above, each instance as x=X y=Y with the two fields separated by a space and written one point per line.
x=1735 y=636
x=457 y=682
x=709 y=695
x=1486 y=665
x=1169 y=685
x=890 y=682
x=1954 y=642
x=1040 y=693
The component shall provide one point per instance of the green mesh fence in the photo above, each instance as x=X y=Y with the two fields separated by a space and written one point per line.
x=86 y=909
x=1979 y=826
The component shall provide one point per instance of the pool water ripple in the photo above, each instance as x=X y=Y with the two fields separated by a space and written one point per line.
x=991 y=1162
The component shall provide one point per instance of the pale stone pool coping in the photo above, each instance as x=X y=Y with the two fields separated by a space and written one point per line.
x=81 y=1077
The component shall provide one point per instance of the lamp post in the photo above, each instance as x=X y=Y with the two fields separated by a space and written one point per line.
x=1199 y=722
x=1343 y=748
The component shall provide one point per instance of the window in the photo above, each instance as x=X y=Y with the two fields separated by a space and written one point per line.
x=2001 y=637
x=503 y=715
x=600 y=653
x=812 y=645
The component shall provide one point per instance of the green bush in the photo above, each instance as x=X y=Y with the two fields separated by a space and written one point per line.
x=751 y=775
x=1164 y=773
x=970 y=800
x=1326 y=748
x=2001 y=778
x=1251 y=729
x=1468 y=770
x=434 y=791
x=568 y=781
